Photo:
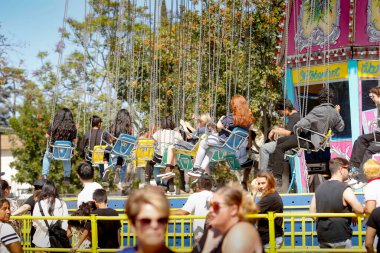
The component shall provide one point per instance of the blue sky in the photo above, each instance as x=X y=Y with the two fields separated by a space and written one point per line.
x=32 y=26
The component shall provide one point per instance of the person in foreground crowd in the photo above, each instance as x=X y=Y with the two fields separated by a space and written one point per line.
x=9 y=240
x=227 y=209
x=335 y=232
x=373 y=230
x=148 y=213
x=270 y=201
x=371 y=170
x=196 y=204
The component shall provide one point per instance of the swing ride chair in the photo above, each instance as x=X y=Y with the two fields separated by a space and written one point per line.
x=227 y=150
x=143 y=152
x=122 y=147
x=61 y=150
x=95 y=156
x=322 y=145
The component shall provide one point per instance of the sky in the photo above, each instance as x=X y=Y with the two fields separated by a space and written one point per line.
x=32 y=26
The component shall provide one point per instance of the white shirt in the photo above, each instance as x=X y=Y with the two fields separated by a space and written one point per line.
x=41 y=236
x=197 y=204
x=86 y=194
x=7 y=236
x=372 y=192
x=164 y=138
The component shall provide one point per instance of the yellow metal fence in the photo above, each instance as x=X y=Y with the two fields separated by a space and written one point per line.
x=299 y=232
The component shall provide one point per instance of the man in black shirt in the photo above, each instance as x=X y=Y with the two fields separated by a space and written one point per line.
x=108 y=230
x=335 y=196
x=285 y=108
x=373 y=229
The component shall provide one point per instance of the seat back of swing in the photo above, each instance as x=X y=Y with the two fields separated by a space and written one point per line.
x=62 y=150
x=184 y=162
x=124 y=145
x=235 y=140
x=98 y=154
x=144 y=152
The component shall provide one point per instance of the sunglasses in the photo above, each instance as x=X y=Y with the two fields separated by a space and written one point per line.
x=216 y=206
x=147 y=221
x=371 y=96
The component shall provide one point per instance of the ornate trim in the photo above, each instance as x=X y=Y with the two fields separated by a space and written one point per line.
x=373 y=33
x=316 y=37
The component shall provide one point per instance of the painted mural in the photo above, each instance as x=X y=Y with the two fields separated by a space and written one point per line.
x=373 y=20
x=318 y=23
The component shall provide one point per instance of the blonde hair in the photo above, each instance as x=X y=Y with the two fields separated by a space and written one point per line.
x=371 y=168
x=204 y=119
x=233 y=194
x=148 y=195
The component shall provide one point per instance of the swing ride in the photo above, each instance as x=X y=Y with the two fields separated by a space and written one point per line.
x=320 y=45
x=335 y=44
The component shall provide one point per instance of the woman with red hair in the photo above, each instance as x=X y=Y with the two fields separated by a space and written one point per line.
x=241 y=116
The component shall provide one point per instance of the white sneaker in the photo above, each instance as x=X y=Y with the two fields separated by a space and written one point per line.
x=352 y=181
x=166 y=174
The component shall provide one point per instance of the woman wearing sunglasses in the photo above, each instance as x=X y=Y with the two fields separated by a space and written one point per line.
x=148 y=213
x=228 y=207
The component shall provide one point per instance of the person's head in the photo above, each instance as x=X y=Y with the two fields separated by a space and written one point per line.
x=325 y=95
x=167 y=123
x=39 y=183
x=148 y=212
x=205 y=182
x=340 y=167
x=85 y=172
x=228 y=206
x=63 y=125
x=5 y=187
x=374 y=94
x=50 y=193
x=122 y=124
x=84 y=209
x=266 y=182
x=241 y=111
x=5 y=210
x=95 y=121
x=1 y=174
x=204 y=119
x=100 y=196
x=371 y=169
x=284 y=107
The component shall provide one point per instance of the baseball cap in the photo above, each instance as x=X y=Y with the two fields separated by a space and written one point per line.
x=39 y=183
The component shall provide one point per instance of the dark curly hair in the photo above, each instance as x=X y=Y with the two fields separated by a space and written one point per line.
x=63 y=127
x=122 y=124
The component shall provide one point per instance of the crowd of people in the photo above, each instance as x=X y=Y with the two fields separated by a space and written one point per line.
x=226 y=228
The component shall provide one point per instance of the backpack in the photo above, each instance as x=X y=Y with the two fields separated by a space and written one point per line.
x=57 y=235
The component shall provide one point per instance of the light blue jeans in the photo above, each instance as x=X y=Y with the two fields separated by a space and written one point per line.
x=265 y=151
x=46 y=165
x=119 y=161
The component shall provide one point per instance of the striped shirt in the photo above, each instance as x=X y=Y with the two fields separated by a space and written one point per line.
x=7 y=236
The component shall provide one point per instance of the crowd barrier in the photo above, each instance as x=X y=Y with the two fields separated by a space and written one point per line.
x=299 y=227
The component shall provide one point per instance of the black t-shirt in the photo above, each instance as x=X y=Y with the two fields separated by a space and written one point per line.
x=270 y=203
x=107 y=229
x=292 y=120
x=374 y=222
x=30 y=201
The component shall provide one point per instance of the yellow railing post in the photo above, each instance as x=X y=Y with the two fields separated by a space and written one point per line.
x=272 y=234
x=94 y=232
